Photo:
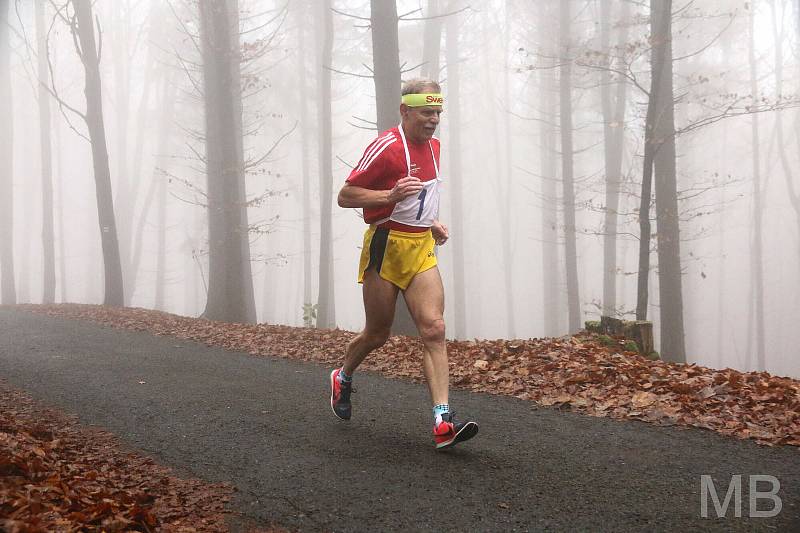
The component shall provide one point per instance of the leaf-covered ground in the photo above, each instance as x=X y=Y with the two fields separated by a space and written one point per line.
x=578 y=373
x=56 y=475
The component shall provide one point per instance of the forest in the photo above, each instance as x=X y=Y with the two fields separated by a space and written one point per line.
x=627 y=159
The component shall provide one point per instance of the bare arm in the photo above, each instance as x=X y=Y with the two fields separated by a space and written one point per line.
x=355 y=196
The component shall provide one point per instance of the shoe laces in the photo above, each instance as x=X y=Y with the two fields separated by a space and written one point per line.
x=346 y=389
x=450 y=417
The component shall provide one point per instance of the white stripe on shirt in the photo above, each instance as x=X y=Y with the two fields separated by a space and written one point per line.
x=372 y=147
x=374 y=152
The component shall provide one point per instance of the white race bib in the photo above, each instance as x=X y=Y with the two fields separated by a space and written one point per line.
x=420 y=210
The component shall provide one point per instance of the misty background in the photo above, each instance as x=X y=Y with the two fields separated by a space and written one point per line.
x=186 y=156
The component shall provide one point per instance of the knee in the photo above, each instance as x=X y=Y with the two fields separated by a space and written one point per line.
x=375 y=339
x=432 y=330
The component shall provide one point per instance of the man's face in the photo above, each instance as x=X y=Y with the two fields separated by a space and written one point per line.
x=419 y=123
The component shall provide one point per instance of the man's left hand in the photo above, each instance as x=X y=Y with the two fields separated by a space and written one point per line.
x=440 y=233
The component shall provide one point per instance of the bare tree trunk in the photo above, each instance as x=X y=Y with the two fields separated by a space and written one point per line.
x=230 y=282
x=305 y=146
x=326 y=305
x=24 y=246
x=551 y=302
x=102 y=175
x=668 y=234
x=144 y=118
x=48 y=241
x=161 y=248
x=197 y=284
x=8 y=292
x=722 y=287
x=159 y=182
x=500 y=185
x=567 y=178
x=505 y=186
x=62 y=255
x=788 y=174
x=756 y=238
x=123 y=200
x=456 y=175
x=613 y=129
x=645 y=231
x=269 y=299
x=386 y=62
x=165 y=129
x=432 y=42
x=243 y=264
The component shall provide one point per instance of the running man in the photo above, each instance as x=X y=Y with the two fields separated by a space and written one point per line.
x=396 y=183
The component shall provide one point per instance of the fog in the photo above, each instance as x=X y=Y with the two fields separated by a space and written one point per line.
x=735 y=68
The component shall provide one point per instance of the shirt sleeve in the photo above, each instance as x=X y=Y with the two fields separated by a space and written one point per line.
x=370 y=172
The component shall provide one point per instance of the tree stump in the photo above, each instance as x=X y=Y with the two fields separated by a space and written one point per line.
x=639 y=331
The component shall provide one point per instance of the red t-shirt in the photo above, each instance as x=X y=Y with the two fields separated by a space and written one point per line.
x=384 y=163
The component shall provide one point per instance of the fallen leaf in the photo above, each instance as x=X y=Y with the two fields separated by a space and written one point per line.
x=481 y=364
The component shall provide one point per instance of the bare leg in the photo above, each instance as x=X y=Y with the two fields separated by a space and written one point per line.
x=425 y=300
x=379 y=301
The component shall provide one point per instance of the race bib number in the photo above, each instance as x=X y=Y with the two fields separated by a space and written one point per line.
x=421 y=209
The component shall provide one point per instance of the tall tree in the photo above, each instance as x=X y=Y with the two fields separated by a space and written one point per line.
x=645 y=199
x=62 y=256
x=756 y=238
x=45 y=143
x=432 y=41
x=502 y=147
x=326 y=306
x=723 y=147
x=166 y=119
x=567 y=171
x=161 y=246
x=83 y=28
x=301 y=13
x=664 y=169
x=788 y=172
x=613 y=108
x=157 y=188
x=8 y=293
x=548 y=88
x=230 y=281
x=454 y=125
x=507 y=220
x=124 y=200
x=129 y=190
x=386 y=62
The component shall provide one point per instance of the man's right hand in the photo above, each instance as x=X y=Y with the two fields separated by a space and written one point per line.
x=405 y=187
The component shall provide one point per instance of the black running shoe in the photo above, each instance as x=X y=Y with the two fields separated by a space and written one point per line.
x=449 y=432
x=340 y=396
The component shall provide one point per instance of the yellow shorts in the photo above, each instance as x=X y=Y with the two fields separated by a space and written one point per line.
x=397 y=256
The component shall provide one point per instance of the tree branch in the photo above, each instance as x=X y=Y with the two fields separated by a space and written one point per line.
x=403 y=17
x=350 y=16
x=272 y=148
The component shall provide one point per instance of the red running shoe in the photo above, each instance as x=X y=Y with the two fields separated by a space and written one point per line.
x=449 y=432
x=340 y=396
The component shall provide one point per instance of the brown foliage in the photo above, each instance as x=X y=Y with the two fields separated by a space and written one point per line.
x=58 y=476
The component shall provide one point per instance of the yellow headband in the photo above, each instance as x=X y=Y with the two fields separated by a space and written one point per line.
x=419 y=100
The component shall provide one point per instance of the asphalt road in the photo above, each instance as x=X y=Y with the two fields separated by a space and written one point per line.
x=265 y=425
